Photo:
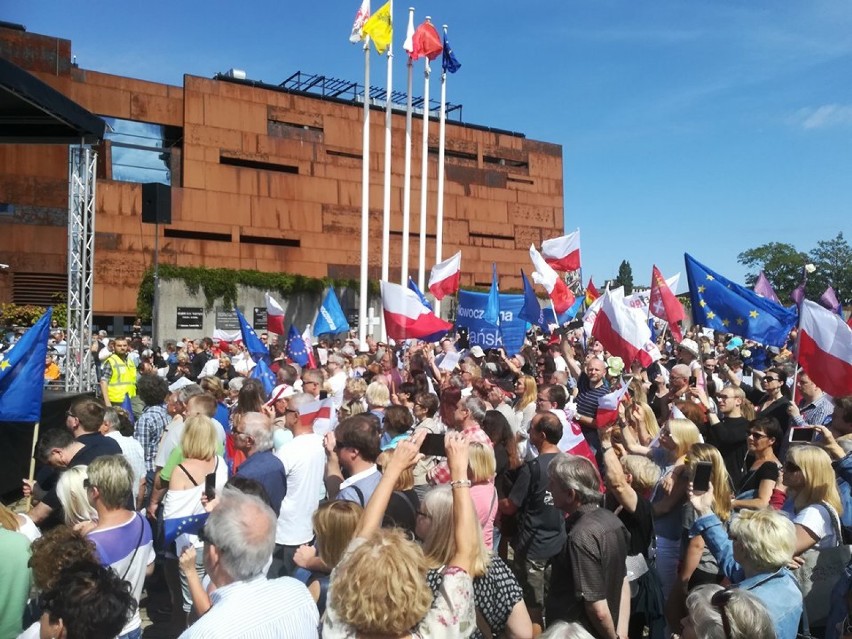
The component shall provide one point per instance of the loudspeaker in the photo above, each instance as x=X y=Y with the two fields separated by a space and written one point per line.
x=156 y=203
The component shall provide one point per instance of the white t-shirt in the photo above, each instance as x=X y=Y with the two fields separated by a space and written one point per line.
x=818 y=520
x=135 y=455
x=117 y=548
x=337 y=384
x=560 y=363
x=304 y=465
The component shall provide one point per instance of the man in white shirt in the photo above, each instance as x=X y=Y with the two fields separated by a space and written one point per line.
x=304 y=465
x=130 y=448
x=239 y=538
x=337 y=379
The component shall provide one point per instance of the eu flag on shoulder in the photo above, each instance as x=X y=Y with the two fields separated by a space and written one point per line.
x=725 y=306
x=128 y=407
x=251 y=341
x=22 y=374
x=191 y=525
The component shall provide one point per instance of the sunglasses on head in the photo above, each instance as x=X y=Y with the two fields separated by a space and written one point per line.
x=720 y=600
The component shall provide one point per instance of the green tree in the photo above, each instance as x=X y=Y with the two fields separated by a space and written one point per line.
x=625 y=277
x=781 y=263
x=833 y=261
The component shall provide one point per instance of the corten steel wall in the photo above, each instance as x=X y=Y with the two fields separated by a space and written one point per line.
x=502 y=191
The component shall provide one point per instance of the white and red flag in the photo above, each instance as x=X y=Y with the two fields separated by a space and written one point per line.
x=406 y=317
x=608 y=407
x=318 y=409
x=665 y=305
x=563 y=253
x=825 y=349
x=556 y=288
x=308 y=339
x=623 y=332
x=444 y=278
x=274 y=316
x=361 y=17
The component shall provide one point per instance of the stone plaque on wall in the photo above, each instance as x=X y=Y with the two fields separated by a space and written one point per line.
x=227 y=320
x=259 y=318
x=190 y=317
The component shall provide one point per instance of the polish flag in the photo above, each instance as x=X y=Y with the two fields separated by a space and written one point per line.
x=556 y=288
x=608 y=407
x=444 y=278
x=563 y=253
x=665 y=305
x=825 y=349
x=274 y=316
x=623 y=332
x=574 y=442
x=407 y=317
x=318 y=409
x=227 y=337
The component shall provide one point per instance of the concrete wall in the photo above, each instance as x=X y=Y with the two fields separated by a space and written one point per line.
x=299 y=310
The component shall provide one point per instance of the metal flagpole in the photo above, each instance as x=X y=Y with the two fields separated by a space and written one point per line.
x=387 y=195
x=442 y=132
x=365 y=203
x=424 y=178
x=406 y=187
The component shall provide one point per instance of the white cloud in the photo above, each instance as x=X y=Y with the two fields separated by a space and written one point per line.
x=823 y=117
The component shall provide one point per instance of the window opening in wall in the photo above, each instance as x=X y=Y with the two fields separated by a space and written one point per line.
x=141 y=151
x=207 y=236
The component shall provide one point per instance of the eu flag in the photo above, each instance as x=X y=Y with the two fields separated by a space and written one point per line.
x=531 y=311
x=449 y=62
x=296 y=349
x=22 y=374
x=264 y=374
x=252 y=342
x=191 y=525
x=725 y=306
x=413 y=286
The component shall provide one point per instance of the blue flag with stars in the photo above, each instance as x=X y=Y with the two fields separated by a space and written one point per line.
x=192 y=525
x=725 y=306
x=296 y=349
x=449 y=62
x=254 y=346
x=413 y=286
x=22 y=374
x=262 y=372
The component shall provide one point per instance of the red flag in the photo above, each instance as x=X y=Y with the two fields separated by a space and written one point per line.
x=665 y=305
x=591 y=293
x=426 y=43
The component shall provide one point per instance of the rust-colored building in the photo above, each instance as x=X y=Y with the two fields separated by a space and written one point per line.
x=261 y=178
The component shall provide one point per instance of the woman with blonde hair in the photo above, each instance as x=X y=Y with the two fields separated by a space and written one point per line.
x=498 y=597
x=71 y=491
x=698 y=566
x=813 y=501
x=334 y=526
x=379 y=586
x=353 y=398
x=18 y=522
x=526 y=392
x=676 y=438
x=483 y=468
x=199 y=446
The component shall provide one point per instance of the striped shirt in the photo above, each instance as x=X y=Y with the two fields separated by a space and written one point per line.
x=588 y=398
x=259 y=609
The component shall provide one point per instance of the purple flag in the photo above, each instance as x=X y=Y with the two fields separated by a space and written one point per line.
x=763 y=288
x=830 y=301
x=798 y=293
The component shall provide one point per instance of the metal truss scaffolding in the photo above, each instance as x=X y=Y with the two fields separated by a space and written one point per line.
x=79 y=376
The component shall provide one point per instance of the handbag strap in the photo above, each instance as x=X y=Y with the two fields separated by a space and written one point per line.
x=835 y=521
x=135 y=550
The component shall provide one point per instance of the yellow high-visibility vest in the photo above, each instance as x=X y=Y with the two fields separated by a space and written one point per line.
x=123 y=379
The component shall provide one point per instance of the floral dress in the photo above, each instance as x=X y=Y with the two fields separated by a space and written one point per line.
x=450 y=617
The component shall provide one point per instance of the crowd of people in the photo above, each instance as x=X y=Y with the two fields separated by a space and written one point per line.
x=390 y=492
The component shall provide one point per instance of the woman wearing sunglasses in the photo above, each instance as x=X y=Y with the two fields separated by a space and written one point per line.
x=758 y=485
x=776 y=398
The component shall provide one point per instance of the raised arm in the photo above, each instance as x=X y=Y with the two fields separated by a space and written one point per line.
x=616 y=480
x=464 y=516
x=405 y=455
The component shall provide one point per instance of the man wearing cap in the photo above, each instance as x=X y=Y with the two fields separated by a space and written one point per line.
x=118 y=375
x=687 y=353
x=253 y=436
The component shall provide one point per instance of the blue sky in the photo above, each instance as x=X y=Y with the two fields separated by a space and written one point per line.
x=707 y=126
